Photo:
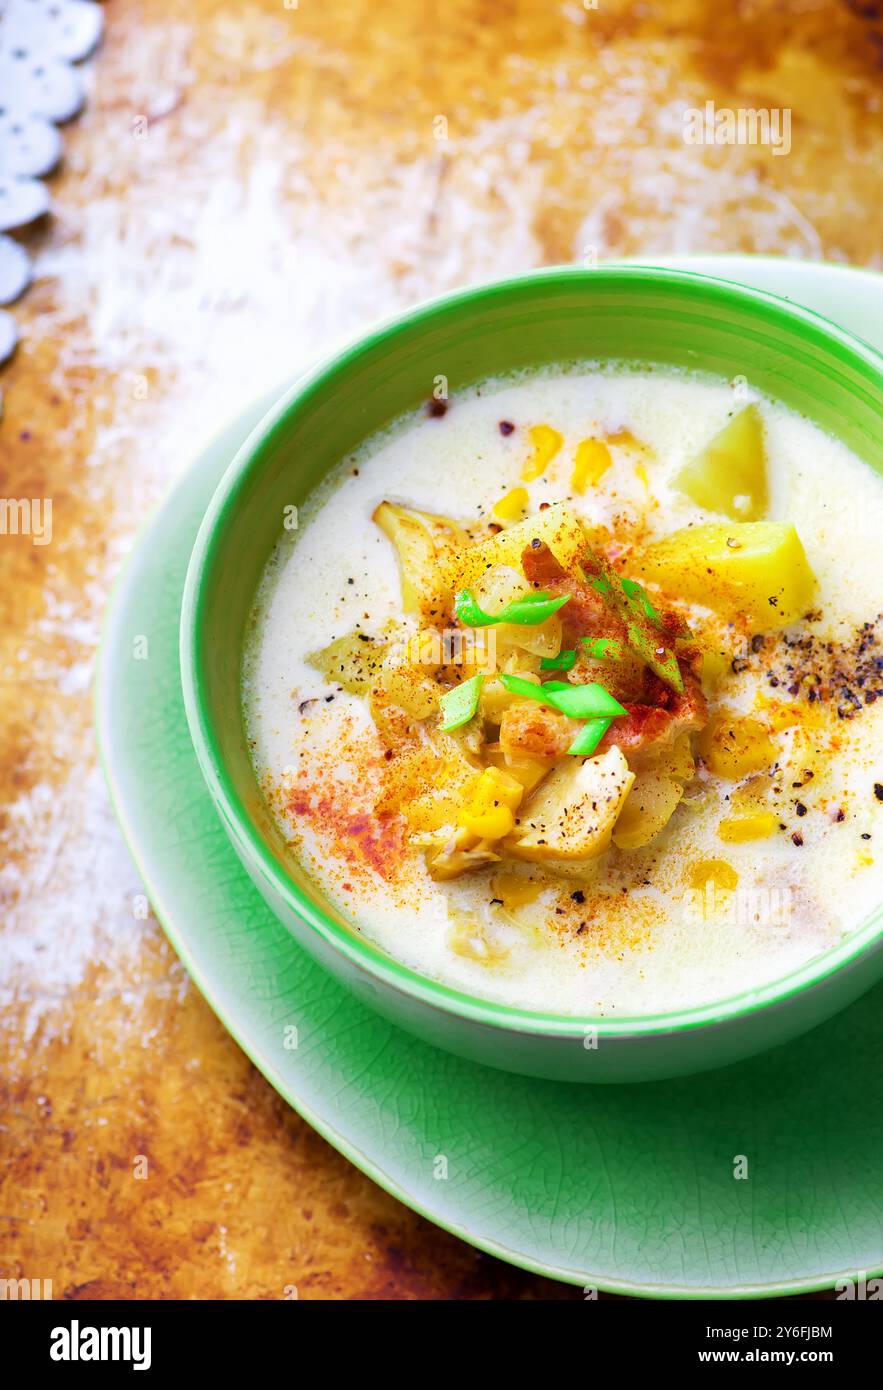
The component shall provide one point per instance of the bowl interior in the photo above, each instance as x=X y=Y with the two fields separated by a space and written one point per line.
x=666 y=318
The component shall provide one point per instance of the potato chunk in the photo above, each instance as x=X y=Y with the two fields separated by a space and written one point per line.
x=754 y=567
x=730 y=474
x=353 y=661
x=497 y=587
x=422 y=541
x=461 y=854
x=407 y=685
x=572 y=814
x=648 y=808
x=558 y=526
x=439 y=804
x=656 y=794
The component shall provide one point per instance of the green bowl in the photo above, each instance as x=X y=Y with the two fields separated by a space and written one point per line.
x=628 y=314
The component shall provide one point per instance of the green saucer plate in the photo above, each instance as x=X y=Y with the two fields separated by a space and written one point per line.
x=626 y=1189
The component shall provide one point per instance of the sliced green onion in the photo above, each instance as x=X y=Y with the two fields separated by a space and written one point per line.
x=636 y=593
x=657 y=656
x=517 y=685
x=528 y=611
x=459 y=705
x=589 y=736
x=646 y=628
x=590 y=701
x=564 y=661
x=602 y=648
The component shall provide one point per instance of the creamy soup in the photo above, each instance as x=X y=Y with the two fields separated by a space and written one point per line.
x=568 y=691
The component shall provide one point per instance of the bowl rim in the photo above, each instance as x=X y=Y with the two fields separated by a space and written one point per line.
x=360 y=952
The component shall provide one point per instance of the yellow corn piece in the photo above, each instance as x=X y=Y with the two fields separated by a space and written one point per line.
x=718 y=871
x=624 y=439
x=733 y=745
x=715 y=663
x=496 y=786
x=491 y=824
x=546 y=443
x=491 y=811
x=513 y=506
x=528 y=771
x=515 y=891
x=590 y=463
x=780 y=714
x=738 y=828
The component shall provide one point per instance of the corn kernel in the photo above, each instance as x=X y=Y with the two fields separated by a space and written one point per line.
x=528 y=771
x=495 y=785
x=515 y=891
x=513 y=505
x=718 y=871
x=491 y=824
x=490 y=813
x=715 y=664
x=546 y=443
x=739 y=828
x=734 y=745
x=779 y=714
x=591 y=461
x=624 y=439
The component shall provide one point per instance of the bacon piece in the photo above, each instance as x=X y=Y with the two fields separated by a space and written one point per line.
x=540 y=565
x=656 y=712
x=646 y=724
x=532 y=730
x=586 y=615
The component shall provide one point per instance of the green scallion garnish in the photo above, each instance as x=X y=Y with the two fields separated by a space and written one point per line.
x=647 y=633
x=517 y=685
x=459 y=705
x=637 y=594
x=603 y=648
x=590 y=701
x=564 y=661
x=589 y=736
x=528 y=611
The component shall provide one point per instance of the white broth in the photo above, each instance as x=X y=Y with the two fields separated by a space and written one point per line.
x=691 y=917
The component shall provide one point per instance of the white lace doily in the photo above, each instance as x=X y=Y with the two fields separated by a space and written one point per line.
x=40 y=40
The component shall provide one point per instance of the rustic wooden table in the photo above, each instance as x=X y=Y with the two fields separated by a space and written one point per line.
x=247 y=183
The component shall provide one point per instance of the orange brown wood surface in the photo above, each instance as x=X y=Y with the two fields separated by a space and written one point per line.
x=248 y=183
